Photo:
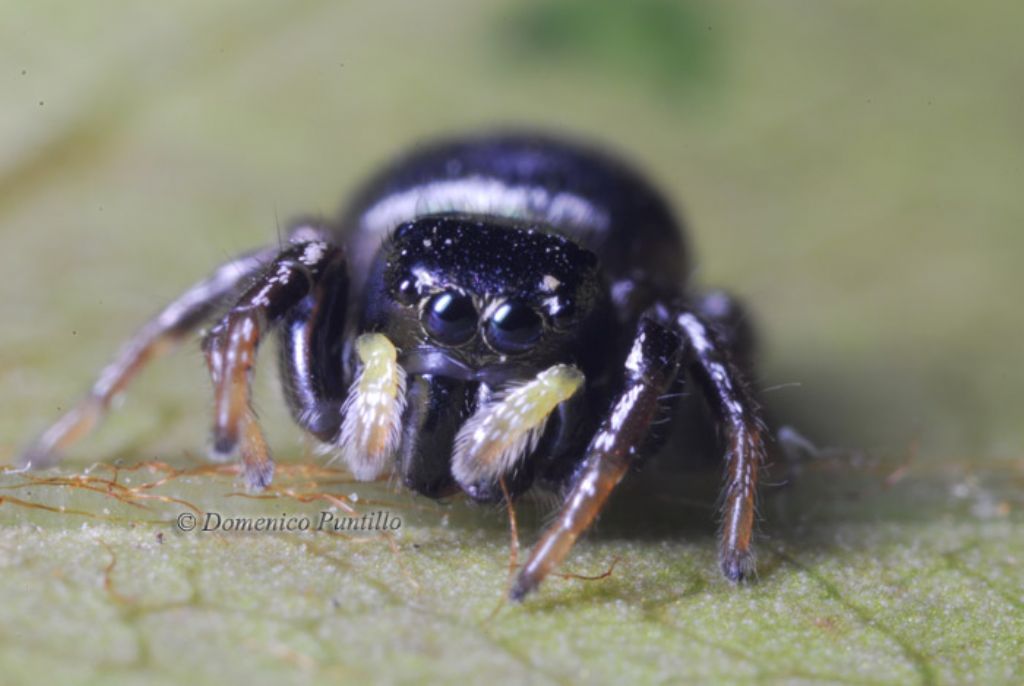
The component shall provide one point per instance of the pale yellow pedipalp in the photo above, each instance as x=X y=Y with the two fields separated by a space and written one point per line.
x=371 y=428
x=502 y=432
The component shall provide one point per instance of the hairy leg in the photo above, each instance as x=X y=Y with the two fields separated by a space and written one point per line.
x=731 y=322
x=651 y=368
x=231 y=346
x=156 y=338
x=710 y=363
x=663 y=342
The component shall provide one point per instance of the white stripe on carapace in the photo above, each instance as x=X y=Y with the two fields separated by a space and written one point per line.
x=483 y=195
x=372 y=424
x=505 y=430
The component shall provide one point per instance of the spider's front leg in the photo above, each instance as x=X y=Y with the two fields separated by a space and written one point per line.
x=651 y=367
x=663 y=341
x=231 y=345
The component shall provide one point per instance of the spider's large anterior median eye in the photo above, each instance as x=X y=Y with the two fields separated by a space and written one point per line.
x=514 y=327
x=450 y=318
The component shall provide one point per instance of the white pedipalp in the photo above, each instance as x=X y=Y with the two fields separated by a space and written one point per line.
x=506 y=429
x=371 y=428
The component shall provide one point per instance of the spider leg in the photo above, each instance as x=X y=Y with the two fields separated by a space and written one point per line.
x=710 y=363
x=311 y=355
x=156 y=338
x=731 y=322
x=651 y=367
x=231 y=345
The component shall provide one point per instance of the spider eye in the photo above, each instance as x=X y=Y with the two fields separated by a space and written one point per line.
x=561 y=311
x=406 y=292
x=450 y=318
x=514 y=327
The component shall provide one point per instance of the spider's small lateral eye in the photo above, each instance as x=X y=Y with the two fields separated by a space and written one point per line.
x=450 y=318
x=514 y=327
x=406 y=292
x=561 y=311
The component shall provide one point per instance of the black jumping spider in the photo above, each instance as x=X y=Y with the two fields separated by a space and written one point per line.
x=492 y=312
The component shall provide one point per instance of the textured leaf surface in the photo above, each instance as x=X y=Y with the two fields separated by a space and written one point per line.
x=851 y=169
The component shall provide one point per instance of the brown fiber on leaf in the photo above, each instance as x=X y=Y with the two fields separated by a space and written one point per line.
x=513 y=551
x=597 y=577
x=108 y=578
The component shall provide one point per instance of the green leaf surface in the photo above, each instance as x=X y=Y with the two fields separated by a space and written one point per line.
x=851 y=169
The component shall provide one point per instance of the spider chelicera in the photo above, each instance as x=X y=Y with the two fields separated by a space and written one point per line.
x=492 y=312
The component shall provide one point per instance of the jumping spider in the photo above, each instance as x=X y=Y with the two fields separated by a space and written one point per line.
x=492 y=312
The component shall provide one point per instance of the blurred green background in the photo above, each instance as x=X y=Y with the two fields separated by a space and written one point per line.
x=852 y=169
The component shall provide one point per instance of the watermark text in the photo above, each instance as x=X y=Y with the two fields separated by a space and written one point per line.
x=325 y=520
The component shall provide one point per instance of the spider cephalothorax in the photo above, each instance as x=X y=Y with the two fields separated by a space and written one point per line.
x=486 y=291
x=492 y=312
